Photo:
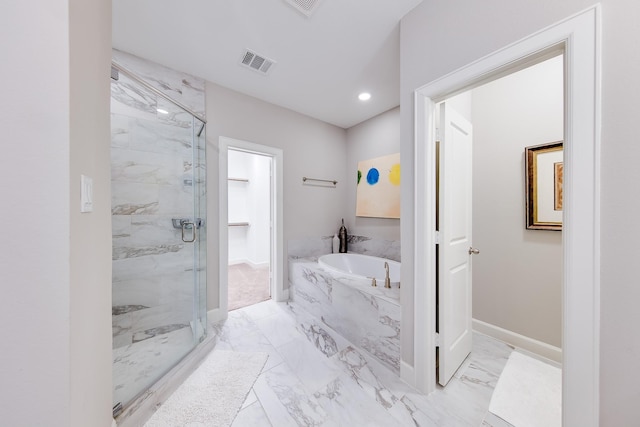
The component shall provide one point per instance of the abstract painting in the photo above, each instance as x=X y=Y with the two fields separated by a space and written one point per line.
x=378 y=187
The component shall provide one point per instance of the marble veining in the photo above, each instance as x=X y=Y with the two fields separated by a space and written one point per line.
x=117 y=310
x=298 y=406
x=368 y=317
x=350 y=387
x=389 y=249
x=135 y=209
x=187 y=89
x=156 y=162
x=152 y=332
x=314 y=247
x=135 y=96
x=320 y=338
x=128 y=252
x=320 y=281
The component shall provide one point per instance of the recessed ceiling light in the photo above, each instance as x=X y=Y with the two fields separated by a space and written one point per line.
x=364 y=96
x=161 y=111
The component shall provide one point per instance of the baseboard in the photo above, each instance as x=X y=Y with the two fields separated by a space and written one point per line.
x=407 y=373
x=536 y=347
x=215 y=315
x=249 y=263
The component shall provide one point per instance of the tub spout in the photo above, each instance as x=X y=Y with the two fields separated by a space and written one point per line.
x=387 y=281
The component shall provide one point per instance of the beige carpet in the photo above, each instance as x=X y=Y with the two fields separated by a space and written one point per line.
x=528 y=393
x=213 y=394
x=247 y=285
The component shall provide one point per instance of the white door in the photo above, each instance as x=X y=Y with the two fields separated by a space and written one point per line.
x=454 y=250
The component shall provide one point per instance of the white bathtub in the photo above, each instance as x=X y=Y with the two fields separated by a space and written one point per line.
x=359 y=266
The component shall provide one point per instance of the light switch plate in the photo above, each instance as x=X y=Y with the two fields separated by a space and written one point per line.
x=86 y=194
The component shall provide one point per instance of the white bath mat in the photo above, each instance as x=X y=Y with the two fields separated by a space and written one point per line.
x=213 y=393
x=528 y=393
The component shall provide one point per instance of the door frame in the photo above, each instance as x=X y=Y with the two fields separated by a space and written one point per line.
x=277 y=209
x=578 y=37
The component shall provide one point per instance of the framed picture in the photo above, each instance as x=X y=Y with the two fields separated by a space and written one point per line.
x=544 y=180
x=378 y=187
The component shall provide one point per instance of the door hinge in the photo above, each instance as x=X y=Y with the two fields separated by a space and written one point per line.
x=437 y=340
x=436 y=236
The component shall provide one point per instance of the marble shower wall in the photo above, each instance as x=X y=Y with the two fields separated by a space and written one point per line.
x=154 y=171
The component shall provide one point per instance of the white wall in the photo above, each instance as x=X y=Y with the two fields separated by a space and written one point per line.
x=238 y=204
x=376 y=137
x=55 y=265
x=439 y=37
x=259 y=206
x=35 y=192
x=249 y=202
x=517 y=278
x=90 y=316
x=310 y=148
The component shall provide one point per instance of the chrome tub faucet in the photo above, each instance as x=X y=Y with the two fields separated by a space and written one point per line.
x=387 y=281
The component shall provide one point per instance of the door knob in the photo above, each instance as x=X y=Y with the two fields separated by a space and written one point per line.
x=474 y=251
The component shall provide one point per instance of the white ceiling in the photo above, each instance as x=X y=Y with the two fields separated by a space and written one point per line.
x=322 y=62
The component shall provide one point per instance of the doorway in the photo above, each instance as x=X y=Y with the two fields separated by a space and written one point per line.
x=513 y=270
x=251 y=224
x=577 y=37
x=249 y=207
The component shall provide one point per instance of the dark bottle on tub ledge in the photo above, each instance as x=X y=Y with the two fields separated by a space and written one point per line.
x=342 y=235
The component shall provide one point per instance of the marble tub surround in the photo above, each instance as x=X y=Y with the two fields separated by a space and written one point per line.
x=315 y=377
x=389 y=249
x=316 y=246
x=309 y=247
x=367 y=316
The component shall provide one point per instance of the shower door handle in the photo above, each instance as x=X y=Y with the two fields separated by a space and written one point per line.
x=186 y=225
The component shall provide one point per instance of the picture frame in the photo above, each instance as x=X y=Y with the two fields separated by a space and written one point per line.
x=544 y=166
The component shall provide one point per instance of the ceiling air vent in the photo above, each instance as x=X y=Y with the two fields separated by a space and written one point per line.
x=256 y=62
x=307 y=7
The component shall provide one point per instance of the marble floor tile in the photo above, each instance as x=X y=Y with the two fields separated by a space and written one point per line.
x=492 y=420
x=313 y=378
x=352 y=362
x=312 y=367
x=256 y=342
x=260 y=311
x=279 y=328
x=237 y=324
x=287 y=402
x=250 y=400
x=252 y=416
x=344 y=400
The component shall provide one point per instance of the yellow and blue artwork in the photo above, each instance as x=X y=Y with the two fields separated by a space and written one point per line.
x=378 y=188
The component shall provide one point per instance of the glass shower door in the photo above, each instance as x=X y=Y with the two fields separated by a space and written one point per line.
x=157 y=181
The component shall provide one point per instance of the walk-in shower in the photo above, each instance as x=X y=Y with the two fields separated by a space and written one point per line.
x=159 y=248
